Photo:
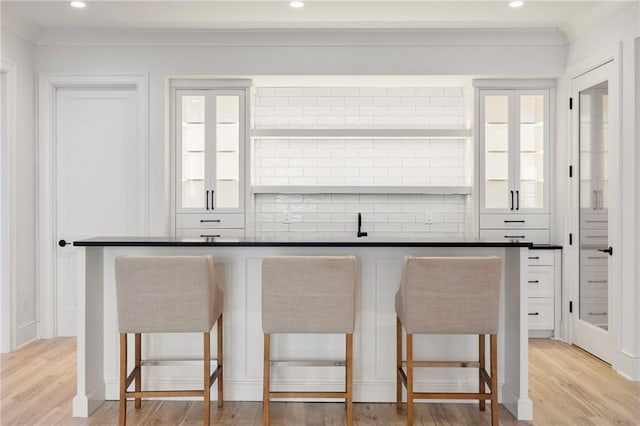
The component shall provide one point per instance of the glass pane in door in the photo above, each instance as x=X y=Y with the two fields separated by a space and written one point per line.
x=193 y=152
x=593 y=132
x=531 y=152
x=227 y=152
x=496 y=141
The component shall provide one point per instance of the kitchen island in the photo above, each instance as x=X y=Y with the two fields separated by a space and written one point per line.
x=238 y=268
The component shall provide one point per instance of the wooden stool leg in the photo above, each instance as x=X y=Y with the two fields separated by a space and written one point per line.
x=265 y=380
x=494 y=379
x=123 y=379
x=409 y=379
x=207 y=374
x=398 y=363
x=481 y=356
x=349 y=379
x=138 y=379
x=220 y=374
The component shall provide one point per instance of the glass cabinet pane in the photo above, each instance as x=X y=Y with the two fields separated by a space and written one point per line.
x=193 y=152
x=532 y=153
x=227 y=152
x=496 y=138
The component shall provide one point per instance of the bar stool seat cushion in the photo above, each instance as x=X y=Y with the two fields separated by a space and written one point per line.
x=308 y=294
x=441 y=295
x=167 y=294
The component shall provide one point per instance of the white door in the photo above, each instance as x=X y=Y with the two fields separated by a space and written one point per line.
x=595 y=133
x=97 y=181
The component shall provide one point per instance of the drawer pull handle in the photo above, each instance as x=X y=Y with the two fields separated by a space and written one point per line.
x=514 y=236
x=209 y=220
x=599 y=314
x=534 y=313
x=596 y=221
x=534 y=257
x=210 y=236
x=514 y=221
x=533 y=281
x=598 y=281
x=596 y=257
x=207 y=199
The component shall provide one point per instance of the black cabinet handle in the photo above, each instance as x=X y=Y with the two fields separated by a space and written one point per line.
x=534 y=313
x=514 y=221
x=534 y=281
x=207 y=199
x=212 y=191
x=607 y=250
x=511 y=200
x=63 y=243
x=514 y=236
x=517 y=200
x=210 y=236
x=209 y=220
x=534 y=257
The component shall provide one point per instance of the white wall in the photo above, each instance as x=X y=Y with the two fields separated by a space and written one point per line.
x=251 y=53
x=21 y=52
x=617 y=35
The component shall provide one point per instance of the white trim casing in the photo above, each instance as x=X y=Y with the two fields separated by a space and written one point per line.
x=46 y=179
x=8 y=212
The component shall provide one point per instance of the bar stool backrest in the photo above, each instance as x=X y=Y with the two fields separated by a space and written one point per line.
x=450 y=295
x=309 y=294
x=167 y=294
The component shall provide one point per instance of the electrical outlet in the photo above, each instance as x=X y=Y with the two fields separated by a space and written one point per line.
x=286 y=216
x=428 y=217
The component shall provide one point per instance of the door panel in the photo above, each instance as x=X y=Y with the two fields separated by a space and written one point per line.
x=96 y=182
x=591 y=324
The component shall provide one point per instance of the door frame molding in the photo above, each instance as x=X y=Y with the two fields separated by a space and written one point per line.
x=7 y=216
x=612 y=58
x=46 y=170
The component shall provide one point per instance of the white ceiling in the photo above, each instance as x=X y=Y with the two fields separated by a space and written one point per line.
x=572 y=17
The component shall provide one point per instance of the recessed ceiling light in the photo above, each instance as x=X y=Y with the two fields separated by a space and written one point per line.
x=516 y=3
x=78 y=4
x=296 y=4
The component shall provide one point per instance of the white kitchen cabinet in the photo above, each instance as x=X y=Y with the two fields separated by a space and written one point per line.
x=544 y=299
x=209 y=139
x=513 y=130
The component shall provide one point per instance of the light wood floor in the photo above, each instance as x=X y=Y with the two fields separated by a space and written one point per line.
x=567 y=386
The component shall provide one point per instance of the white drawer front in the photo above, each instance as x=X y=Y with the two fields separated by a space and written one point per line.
x=594 y=282
x=510 y=221
x=593 y=257
x=210 y=221
x=539 y=236
x=209 y=233
x=594 y=311
x=541 y=257
x=541 y=280
x=595 y=219
x=540 y=314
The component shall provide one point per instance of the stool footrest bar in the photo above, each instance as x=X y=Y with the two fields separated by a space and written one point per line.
x=310 y=363
x=451 y=395
x=308 y=394
x=167 y=393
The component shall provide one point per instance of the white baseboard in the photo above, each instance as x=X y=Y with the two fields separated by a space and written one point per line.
x=629 y=366
x=84 y=405
x=522 y=408
x=26 y=333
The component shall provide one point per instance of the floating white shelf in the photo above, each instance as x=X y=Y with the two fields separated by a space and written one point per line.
x=299 y=189
x=361 y=133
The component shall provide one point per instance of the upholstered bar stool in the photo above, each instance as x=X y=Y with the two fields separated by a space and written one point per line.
x=449 y=295
x=167 y=294
x=309 y=294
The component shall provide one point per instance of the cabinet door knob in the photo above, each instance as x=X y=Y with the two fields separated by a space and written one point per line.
x=63 y=243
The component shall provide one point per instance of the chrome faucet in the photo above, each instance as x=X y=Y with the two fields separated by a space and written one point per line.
x=360 y=233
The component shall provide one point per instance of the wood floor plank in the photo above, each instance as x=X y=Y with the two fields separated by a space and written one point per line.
x=567 y=386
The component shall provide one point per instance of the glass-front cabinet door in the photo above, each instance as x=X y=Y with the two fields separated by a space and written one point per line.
x=514 y=138
x=209 y=150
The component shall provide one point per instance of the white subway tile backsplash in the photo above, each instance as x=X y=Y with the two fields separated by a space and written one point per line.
x=358 y=162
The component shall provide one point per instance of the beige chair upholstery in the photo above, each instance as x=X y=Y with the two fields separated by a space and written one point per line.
x=167 y=294
x=449 y=295
x=309 y=294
